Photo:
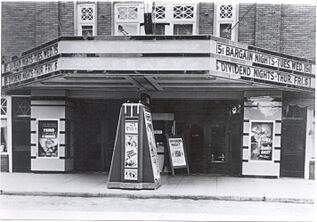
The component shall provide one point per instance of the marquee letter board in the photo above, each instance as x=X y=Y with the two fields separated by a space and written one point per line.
x=134 y=162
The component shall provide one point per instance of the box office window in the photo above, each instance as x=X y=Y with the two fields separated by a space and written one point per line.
x=86 y=19
x=226 y=18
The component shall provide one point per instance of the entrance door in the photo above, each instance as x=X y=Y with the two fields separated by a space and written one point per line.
x=293 y=148
x=21 y=134
x=91 y=137
x=223 y=143
x=217 y=146
x=196 y=155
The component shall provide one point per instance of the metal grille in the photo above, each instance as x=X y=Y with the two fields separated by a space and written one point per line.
x=87 y=14
x=183 y=12
x=3 y=106
x=159 y=12
x=23 y=108
x=226 y=11
x=127 y=13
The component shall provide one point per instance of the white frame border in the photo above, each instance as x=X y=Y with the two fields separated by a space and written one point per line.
x=273 y=140
x=37 y=138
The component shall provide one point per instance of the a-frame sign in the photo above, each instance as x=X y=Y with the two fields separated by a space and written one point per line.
x=134 y=162
x=177 y=153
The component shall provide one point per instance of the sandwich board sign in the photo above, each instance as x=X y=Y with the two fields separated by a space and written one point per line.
x=134 y=162
x=177 y=153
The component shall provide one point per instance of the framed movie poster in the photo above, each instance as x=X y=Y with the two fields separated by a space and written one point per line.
x=48 y=140
x=131 y=174
x=261 y=140
x=131 y=151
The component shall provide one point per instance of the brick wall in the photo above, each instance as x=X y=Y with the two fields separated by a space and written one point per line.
x=104 y=18
x=206 y=17
x=17 y=28
x=246 y=26
x=268 y=26
x=66 y=16
x=298 y=30
x=46 y=19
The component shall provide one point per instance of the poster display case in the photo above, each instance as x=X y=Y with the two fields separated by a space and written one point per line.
x=261 y=140
x=48 y=138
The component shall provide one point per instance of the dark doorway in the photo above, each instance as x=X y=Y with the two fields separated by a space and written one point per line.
x=95 y=126
x=196 y=154
x=90 y=137
x=21 y=134
x=293 y=148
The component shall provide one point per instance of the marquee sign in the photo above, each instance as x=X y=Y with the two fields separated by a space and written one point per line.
x=263 y=59
x=29 y=73
x=31 y=58
x=238 y=70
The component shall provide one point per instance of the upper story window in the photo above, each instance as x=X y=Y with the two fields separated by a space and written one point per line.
x=174 y=19
x=226 y=17
x=168 y=18
x=127 y=18
x=86 y=19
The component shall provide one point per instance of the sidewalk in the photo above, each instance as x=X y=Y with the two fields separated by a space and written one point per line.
x=292 y=190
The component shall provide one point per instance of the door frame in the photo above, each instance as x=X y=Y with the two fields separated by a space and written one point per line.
x=285 y=121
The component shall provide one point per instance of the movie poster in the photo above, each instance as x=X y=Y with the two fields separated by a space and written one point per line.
x=131 y=151
x=48 y=138
x=131 y=174
x=261 y=140
x=152 y=144
x=131 y=127
x=177 y=151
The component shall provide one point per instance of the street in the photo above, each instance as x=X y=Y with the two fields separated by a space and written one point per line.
x=79 y=208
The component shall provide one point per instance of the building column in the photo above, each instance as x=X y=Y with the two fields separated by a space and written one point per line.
x=310 y=140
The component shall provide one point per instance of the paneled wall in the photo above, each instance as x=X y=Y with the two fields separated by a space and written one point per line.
x=265 y=107
x=51 y=110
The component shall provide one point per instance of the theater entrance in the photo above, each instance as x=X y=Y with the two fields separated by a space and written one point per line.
x=214 y=140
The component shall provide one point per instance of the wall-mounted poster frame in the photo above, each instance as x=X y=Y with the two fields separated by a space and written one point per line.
x=131 y=147
x=48 y=138
x=177 y=153
x=261 y=142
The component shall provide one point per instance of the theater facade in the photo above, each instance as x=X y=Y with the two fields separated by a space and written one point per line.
x=242 y=109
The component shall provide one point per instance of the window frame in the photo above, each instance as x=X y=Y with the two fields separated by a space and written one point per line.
x=137 y=22
x=79 y=24
x=219 y=21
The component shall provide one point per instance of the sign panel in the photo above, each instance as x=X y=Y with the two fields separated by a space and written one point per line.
x=131 y=147
x=177 y=151
x=29 y=73
x=131 y=151
x=131 y=174
x=263 y=59
x=48 y=138
x=261 y=144
x=237 y=71
x=31 y=58
x=152 y=144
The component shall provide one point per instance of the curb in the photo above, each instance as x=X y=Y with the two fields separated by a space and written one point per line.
x=159 y=196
